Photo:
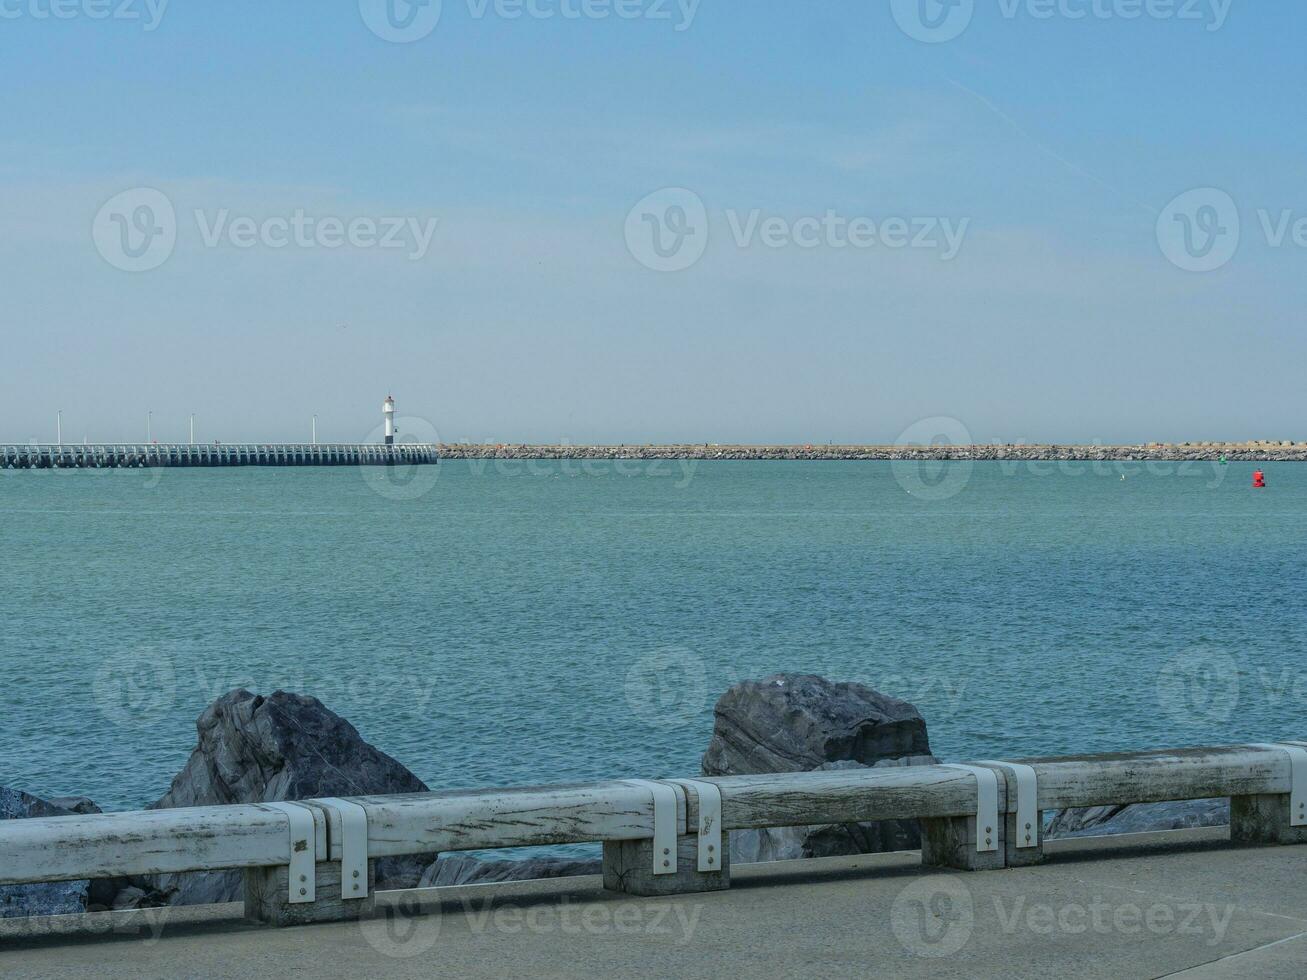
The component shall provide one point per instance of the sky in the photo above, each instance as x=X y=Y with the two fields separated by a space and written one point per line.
x=630 y=221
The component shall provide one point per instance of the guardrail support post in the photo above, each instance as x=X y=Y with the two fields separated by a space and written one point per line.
x=1263 y=820
x=969 y=843
x=1274 y=818
x=267 y=897
x=674 y=862
x=628 y=868
x=1023 y=840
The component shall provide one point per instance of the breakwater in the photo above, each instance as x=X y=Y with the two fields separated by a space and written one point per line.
x=1154 y=452
x=152 y=455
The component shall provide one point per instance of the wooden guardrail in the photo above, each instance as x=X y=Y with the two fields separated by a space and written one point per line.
x=313 y=860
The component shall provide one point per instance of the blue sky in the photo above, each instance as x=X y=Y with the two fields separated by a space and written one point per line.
x=1050 y=143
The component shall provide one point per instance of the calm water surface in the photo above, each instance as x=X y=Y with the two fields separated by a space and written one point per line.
x=509 y=623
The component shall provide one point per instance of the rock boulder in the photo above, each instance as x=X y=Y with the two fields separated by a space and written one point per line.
x=53 y=898
x=1097 y=821
x=797 y=722
x=457 y=869
x=801 y=722
x=256 y=749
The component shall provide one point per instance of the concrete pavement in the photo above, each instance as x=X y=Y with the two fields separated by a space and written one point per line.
x=1183 y=903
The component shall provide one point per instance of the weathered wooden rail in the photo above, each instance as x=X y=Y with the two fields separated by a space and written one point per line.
x=313 y=860
x=152 y=455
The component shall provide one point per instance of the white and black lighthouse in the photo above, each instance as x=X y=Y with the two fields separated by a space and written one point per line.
x=388 y=409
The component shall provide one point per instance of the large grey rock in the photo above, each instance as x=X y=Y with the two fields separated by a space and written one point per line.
x=801 y=722
x=1135 y=818
x=55 y=898
x=797 y=722
x=458 y=869
x=256 y=749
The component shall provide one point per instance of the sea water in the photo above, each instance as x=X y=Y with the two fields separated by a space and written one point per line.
x=498 y=623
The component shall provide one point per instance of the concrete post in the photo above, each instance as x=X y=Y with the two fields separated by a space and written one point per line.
x=267 y=897
x=628 y=868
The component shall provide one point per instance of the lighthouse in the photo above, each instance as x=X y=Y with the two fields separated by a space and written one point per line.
x=388 y=409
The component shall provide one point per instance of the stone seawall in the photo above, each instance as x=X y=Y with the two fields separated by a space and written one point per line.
x=1173 y=453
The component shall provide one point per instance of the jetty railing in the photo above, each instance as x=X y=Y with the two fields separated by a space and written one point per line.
x=152 y=455
x=314 y=860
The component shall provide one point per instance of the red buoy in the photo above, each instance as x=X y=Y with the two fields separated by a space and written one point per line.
x=1259 y=480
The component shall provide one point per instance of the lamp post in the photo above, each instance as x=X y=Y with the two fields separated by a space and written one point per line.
x=315 y=430
x=192 y=428
x=59 y=426
x=149 y=430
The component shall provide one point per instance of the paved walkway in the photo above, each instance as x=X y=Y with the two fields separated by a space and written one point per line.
x=1185 y=904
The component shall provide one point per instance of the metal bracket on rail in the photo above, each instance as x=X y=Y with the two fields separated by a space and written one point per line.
x=303 y=852
x=710 y=822
x=1297 y=778
x=352 y=819
x=987 y=825
x=1027 y=801
x=665 y=824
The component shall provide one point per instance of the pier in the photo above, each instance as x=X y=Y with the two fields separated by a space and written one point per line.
x=155 y=455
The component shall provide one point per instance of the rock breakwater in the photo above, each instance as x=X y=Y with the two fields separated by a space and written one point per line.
x=1261 y=452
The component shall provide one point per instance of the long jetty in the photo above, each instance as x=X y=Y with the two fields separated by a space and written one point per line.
x=152 y=455
x=1188 y=452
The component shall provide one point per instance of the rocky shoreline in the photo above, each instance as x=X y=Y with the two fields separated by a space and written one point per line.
x=257 y=749
x=1195 y=452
